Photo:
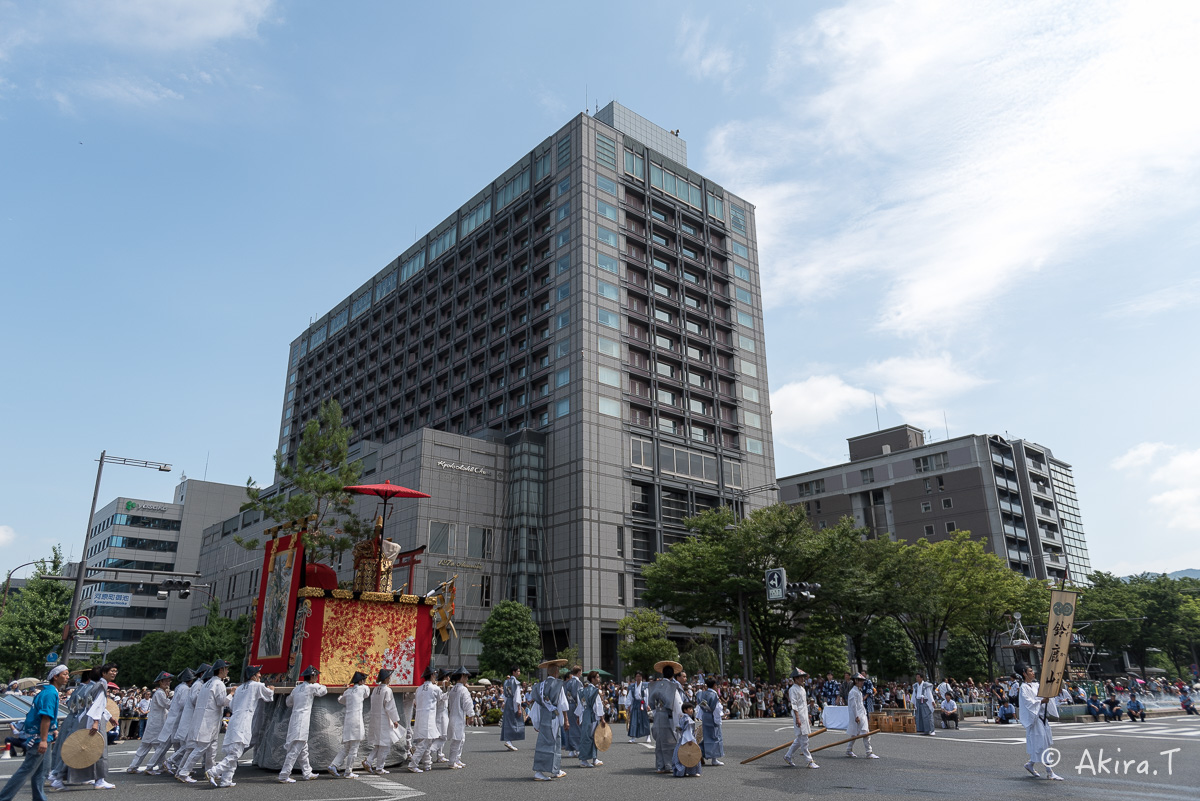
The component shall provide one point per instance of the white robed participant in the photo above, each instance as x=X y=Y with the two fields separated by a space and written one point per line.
x=183 y=732
x=239 y=733
x=160 y=706
x=923 y=705
x=425 y=725
x=458 y=706
x=801 y=728
x=353 y=729
x=858 y=721
x=385 y=724
x=443 y=719
x=167 y=736
x=1037 y=730
x=301 y=701
x=210 y=709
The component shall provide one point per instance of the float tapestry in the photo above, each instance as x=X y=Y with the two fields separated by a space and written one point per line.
x=282 y=561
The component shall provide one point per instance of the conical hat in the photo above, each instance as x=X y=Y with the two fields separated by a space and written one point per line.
x=689 y=755
x=114 y=712
x=658 y=666
x=82 y=749
x=553 y=663
x=603 y=735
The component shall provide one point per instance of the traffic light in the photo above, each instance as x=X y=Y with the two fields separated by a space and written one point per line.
x=802 y=590
x=181 y=586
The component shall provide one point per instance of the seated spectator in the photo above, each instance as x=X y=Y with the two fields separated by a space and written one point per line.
x=17 y=741
x=1135 y=709
x=1112 y=708
x=1185 y=701
x=1095 y=708
x=1007 y=713
x=1077 y=696
x=949 y=712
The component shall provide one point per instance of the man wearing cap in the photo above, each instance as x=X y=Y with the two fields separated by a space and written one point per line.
x=169 y=734
x=711 y=712
x=923 y=705
x=425 y=726
x=385 y=724
x=187 y=717
x=857 y=720
x=551 y=703
x=40 y=724
x=512 y=722
x=160 y=703
x=239 y=732
x=353 y=730
x=301 y=701
x=572 y=687
x=639 y=721
x=666 y=704
x=801 y=728
x=210 y=708
x=1034 y=710
x=459 y=705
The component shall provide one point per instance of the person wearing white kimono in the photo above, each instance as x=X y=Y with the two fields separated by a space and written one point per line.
x=239 y=732
x=385 y=724
x=857 y=720
x=1037 y=730
x=160 y=705
x=183 y=734
x=443 y=718
x=210 y=709
x=353 y=729
x=512 y=720
x=301 y=701
x=167 y=735
x=459 y=705
x=801 y=727
x=425 y=725
x=924 y=706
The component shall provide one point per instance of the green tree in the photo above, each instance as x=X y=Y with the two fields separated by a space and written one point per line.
x=888 y=651
x=141 y=662
x=851 y=591
x=33 y=621
x=1111 y=599
x=705 y=579
x=964 y=657
x=934 y=588
x=998 y=592
x=822 y=649
x=510 y=637
x=698 y=656
x=319 y=475
x=172 y=651
x=642 y=641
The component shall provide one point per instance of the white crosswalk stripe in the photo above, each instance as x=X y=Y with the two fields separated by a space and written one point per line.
x=395 y=790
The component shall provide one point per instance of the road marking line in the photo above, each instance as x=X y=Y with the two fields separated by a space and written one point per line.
x=395 y=790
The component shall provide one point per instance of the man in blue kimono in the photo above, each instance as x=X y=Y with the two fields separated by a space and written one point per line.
x=711 y=714
x=512 y=722
x=666 y=705
x=573 y=686
x=550 y=703
x=639 y=721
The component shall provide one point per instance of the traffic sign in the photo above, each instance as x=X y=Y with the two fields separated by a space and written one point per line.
x=776 y=583
x=82 y=623
x=52 y=657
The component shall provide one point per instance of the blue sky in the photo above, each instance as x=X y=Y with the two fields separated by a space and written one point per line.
x=982 y=216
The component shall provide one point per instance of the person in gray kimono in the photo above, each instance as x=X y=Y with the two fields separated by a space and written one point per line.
x=572 y=686
x=95 y=716
x=550 y=703
x=639 y=720
x=711 y=713
x=591 y=712
x=666 y=700
x=512 y=722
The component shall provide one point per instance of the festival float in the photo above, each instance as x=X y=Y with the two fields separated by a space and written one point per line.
x=303 y=618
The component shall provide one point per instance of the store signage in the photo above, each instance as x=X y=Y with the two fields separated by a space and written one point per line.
x=462 y=468
x=145 y=507
x=111 y=598
x=463 y=565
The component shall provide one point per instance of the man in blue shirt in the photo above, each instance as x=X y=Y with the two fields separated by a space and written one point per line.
x=40 y=725
x=1135 y=709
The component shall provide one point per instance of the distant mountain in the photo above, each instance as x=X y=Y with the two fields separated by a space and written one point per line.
x=1178 y=574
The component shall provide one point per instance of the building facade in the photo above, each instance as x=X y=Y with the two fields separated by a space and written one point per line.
x=595 y=313
x=151 y=535
x=1014 y=495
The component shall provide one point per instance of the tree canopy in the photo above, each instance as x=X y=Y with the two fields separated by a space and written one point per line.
x=642 y=641
x=509 y=637
x=33 y=621
x=172 y=651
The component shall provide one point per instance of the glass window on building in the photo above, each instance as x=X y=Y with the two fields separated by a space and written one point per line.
x=441 y=538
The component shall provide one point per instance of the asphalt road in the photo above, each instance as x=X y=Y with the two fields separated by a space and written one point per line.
x=980 y=761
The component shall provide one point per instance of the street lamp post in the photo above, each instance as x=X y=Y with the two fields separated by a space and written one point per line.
x=69 y=631
x=7 y=579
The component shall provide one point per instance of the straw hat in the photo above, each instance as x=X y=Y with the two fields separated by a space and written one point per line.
x=82 y=749
x=658 y=666
x=114 y=712
x=603 y=736
x=689 y=755
x=552 y=663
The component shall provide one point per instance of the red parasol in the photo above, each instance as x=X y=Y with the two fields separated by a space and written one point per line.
x=387 y=490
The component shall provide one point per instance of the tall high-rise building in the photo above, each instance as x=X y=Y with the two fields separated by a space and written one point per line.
x=593 y=315
x=1014 y=495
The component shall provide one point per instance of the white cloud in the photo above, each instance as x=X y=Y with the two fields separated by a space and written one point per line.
x=1144 y=307
x=960 y=148
x=703 y=57
x=1173 y=476
x=126 y=90
x=814 y=403
x=920 y=387
x=1139 y=455
x=8 y=536
x=156 y=25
